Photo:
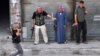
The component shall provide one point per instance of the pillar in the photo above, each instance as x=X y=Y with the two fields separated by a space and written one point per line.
x=15 y=11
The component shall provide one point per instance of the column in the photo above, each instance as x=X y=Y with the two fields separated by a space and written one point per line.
x=15 y=11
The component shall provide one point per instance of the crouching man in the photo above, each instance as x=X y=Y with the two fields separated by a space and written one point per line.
x=16 y=34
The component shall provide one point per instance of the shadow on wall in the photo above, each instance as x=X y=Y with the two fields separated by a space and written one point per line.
x=4 y=16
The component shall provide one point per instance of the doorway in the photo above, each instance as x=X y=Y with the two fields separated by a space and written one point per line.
x=4 y=17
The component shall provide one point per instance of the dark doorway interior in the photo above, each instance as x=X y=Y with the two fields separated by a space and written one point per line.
x=4 y=16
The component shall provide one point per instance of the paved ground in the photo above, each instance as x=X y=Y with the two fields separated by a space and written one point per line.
x=52 y=49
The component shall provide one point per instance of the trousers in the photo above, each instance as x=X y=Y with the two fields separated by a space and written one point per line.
x=44 y=33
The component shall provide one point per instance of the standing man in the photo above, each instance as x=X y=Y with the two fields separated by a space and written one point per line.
x=60 y=24
x=39 y=21
x=80 y=21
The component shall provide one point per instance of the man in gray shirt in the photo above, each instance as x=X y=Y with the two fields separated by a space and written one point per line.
x=80 y=21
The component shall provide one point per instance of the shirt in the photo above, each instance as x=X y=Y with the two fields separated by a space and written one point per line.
x=80 y=12
x=15 y=38
x=39 y=18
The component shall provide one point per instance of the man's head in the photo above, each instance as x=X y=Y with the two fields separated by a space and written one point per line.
x=60 y=8
x=39 y=9
x=16 y=25
x=81 y=4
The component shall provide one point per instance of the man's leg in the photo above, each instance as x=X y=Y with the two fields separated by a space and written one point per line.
x=84 y=32
x=19 y=48
x=44 y=33
x=78 y=33
x=36 y=34
x=15 y=54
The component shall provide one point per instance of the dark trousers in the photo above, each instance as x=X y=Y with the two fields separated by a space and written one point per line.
x=82 y=28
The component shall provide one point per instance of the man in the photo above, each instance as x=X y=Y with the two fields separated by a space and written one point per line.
x=39 y=21
x=60 y=24
x=16 y=33
x=80 y=21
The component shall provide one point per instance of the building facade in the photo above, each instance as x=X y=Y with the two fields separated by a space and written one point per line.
x=22 y=11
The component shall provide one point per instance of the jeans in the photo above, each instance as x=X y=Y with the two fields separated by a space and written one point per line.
x=19 y=48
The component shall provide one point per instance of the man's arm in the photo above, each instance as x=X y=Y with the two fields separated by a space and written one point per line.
x=75 y=19
x=33 y=19
x=18 y=33
x=51 y=17
x=48 y=15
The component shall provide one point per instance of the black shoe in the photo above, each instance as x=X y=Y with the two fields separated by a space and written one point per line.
x=66 y=42
x=77 y=43
x=61 y=43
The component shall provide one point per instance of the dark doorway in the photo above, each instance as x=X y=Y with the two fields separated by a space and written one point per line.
x=4 y=17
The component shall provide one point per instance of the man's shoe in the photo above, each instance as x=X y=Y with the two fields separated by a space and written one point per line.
x=77 y=43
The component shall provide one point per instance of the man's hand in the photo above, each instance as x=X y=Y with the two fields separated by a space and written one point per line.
x=32 y=28
x=54 y=18
x=86 y=11
x=75 y=24
x=18 y=33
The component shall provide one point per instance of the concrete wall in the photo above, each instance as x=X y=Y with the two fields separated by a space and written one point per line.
x=50 y=6
x=29 y=6
x=15 y=11
x=93 y=25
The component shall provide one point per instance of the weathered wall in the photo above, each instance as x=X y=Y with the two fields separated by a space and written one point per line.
x=15 y=11
x=29 y=6
x=50 y=6
x=93 y=25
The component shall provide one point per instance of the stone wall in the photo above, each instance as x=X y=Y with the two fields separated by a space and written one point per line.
x=29 y=6
x=93 y=18
x=15 y=11
x=50 y=6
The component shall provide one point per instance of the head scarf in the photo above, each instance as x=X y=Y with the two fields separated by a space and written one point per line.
x=60 y=9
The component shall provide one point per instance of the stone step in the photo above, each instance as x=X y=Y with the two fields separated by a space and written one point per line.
x=59 y=51
x=62 y=52
x=54 y=49
x=67 y=51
